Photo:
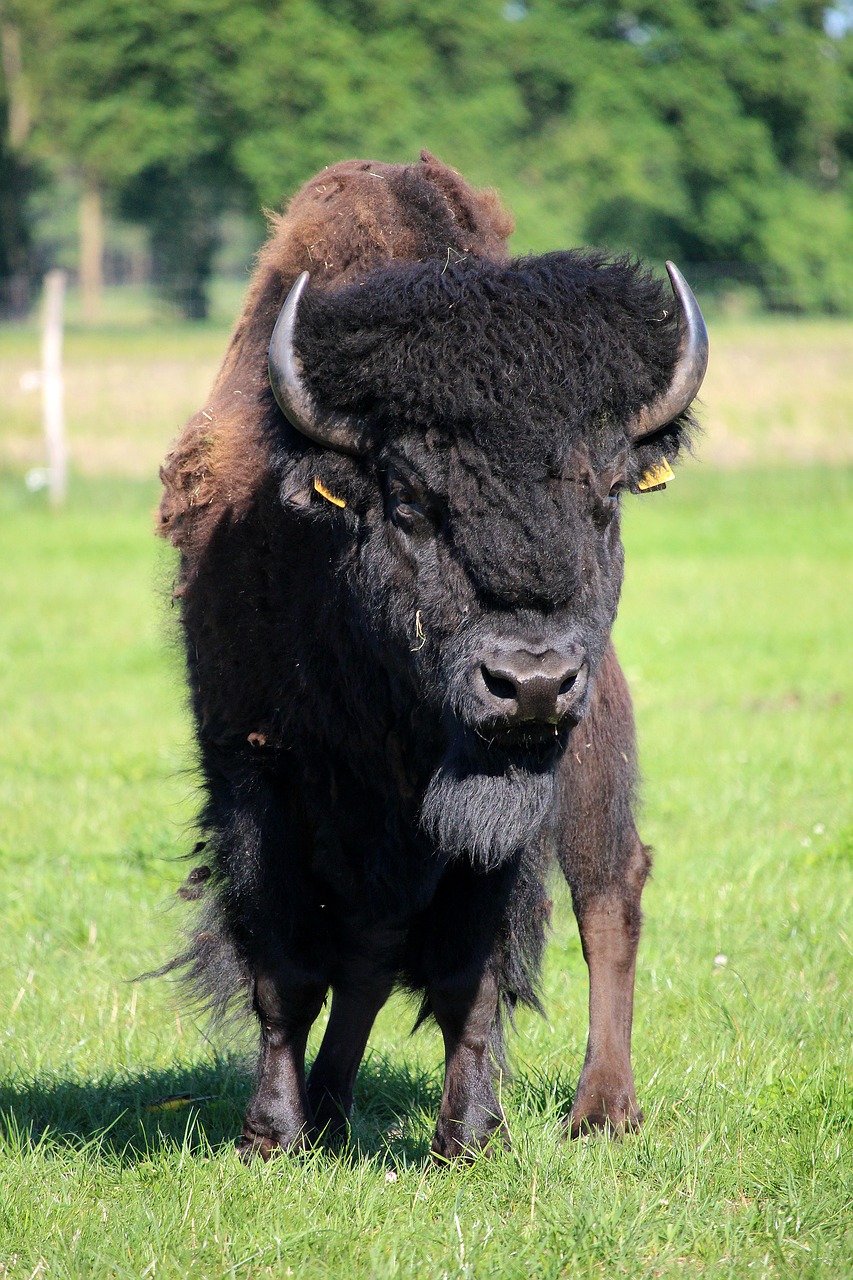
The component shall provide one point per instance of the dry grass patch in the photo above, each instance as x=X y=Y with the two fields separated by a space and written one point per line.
x=127 y=396
x=778 y=391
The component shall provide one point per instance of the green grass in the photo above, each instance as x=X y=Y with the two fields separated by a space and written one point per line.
x=735 y=632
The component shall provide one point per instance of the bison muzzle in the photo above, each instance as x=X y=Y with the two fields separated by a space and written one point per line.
x=398 y=518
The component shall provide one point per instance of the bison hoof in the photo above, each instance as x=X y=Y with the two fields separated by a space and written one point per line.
x=458 y=1142
x=614 y=1119
x=251 y=1146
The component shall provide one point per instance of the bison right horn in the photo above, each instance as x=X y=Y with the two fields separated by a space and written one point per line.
x=689 y=369
x=326 y=427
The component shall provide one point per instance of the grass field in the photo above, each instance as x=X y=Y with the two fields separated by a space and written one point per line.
x=735 y=632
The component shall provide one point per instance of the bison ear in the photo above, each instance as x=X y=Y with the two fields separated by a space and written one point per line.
x=326 y=427
x=690 y=365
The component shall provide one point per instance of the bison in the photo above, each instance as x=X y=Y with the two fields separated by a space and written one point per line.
x=398 y=518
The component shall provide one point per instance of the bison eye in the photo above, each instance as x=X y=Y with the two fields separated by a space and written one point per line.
x=409 y=516
x=411 y=507
x=408 y=512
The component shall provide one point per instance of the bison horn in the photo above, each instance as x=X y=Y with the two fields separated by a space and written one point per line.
x=690 y=367
x=325 y=427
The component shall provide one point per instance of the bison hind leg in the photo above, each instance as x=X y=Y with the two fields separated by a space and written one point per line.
x=609 y=924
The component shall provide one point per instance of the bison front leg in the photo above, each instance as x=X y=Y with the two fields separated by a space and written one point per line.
x=279 y=1115
x=609 y=924
x=332 y=1078
x=470 y=1115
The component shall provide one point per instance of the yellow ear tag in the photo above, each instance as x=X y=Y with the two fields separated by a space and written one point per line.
x=654 y=478
x=324 y=493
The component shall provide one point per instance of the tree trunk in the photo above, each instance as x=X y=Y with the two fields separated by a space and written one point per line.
x=17 y=105
x=91 y=253
x=52 y=386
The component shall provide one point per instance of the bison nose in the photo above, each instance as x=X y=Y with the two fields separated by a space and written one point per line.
x=522 y=685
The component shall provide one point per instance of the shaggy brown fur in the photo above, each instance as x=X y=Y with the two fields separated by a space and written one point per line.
x=352 y=216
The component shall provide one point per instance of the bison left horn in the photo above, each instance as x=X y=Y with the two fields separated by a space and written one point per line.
x=326 y=427
x=690 y=366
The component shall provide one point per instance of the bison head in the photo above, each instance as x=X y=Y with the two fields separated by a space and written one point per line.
x=481 y=422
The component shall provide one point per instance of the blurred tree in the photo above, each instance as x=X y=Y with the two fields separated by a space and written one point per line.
x=181 y=210
x=711 y=130
x=17 y=178
x=689 y=127
x=674 y=128
x=128 y=93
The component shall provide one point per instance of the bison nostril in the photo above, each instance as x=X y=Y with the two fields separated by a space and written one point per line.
x=529 y=685
x=498 y=686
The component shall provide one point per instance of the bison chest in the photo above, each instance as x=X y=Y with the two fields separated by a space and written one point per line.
x=371 y=863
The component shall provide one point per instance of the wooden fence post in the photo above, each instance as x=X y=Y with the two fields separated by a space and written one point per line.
x=52 y=388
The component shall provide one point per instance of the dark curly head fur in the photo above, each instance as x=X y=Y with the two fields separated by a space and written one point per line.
x=520 y=361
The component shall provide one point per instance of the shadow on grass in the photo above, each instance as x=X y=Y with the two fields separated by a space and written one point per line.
x=128 y=1117
x=199 y=1109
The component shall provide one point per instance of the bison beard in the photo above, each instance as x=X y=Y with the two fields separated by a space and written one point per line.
x=429 y=428
x=487 y=813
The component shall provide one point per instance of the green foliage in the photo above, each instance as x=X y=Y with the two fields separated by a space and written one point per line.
x=130 y=95
x=713 y=132
x=693 y=131
x=733 y=627
x=121 y=88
